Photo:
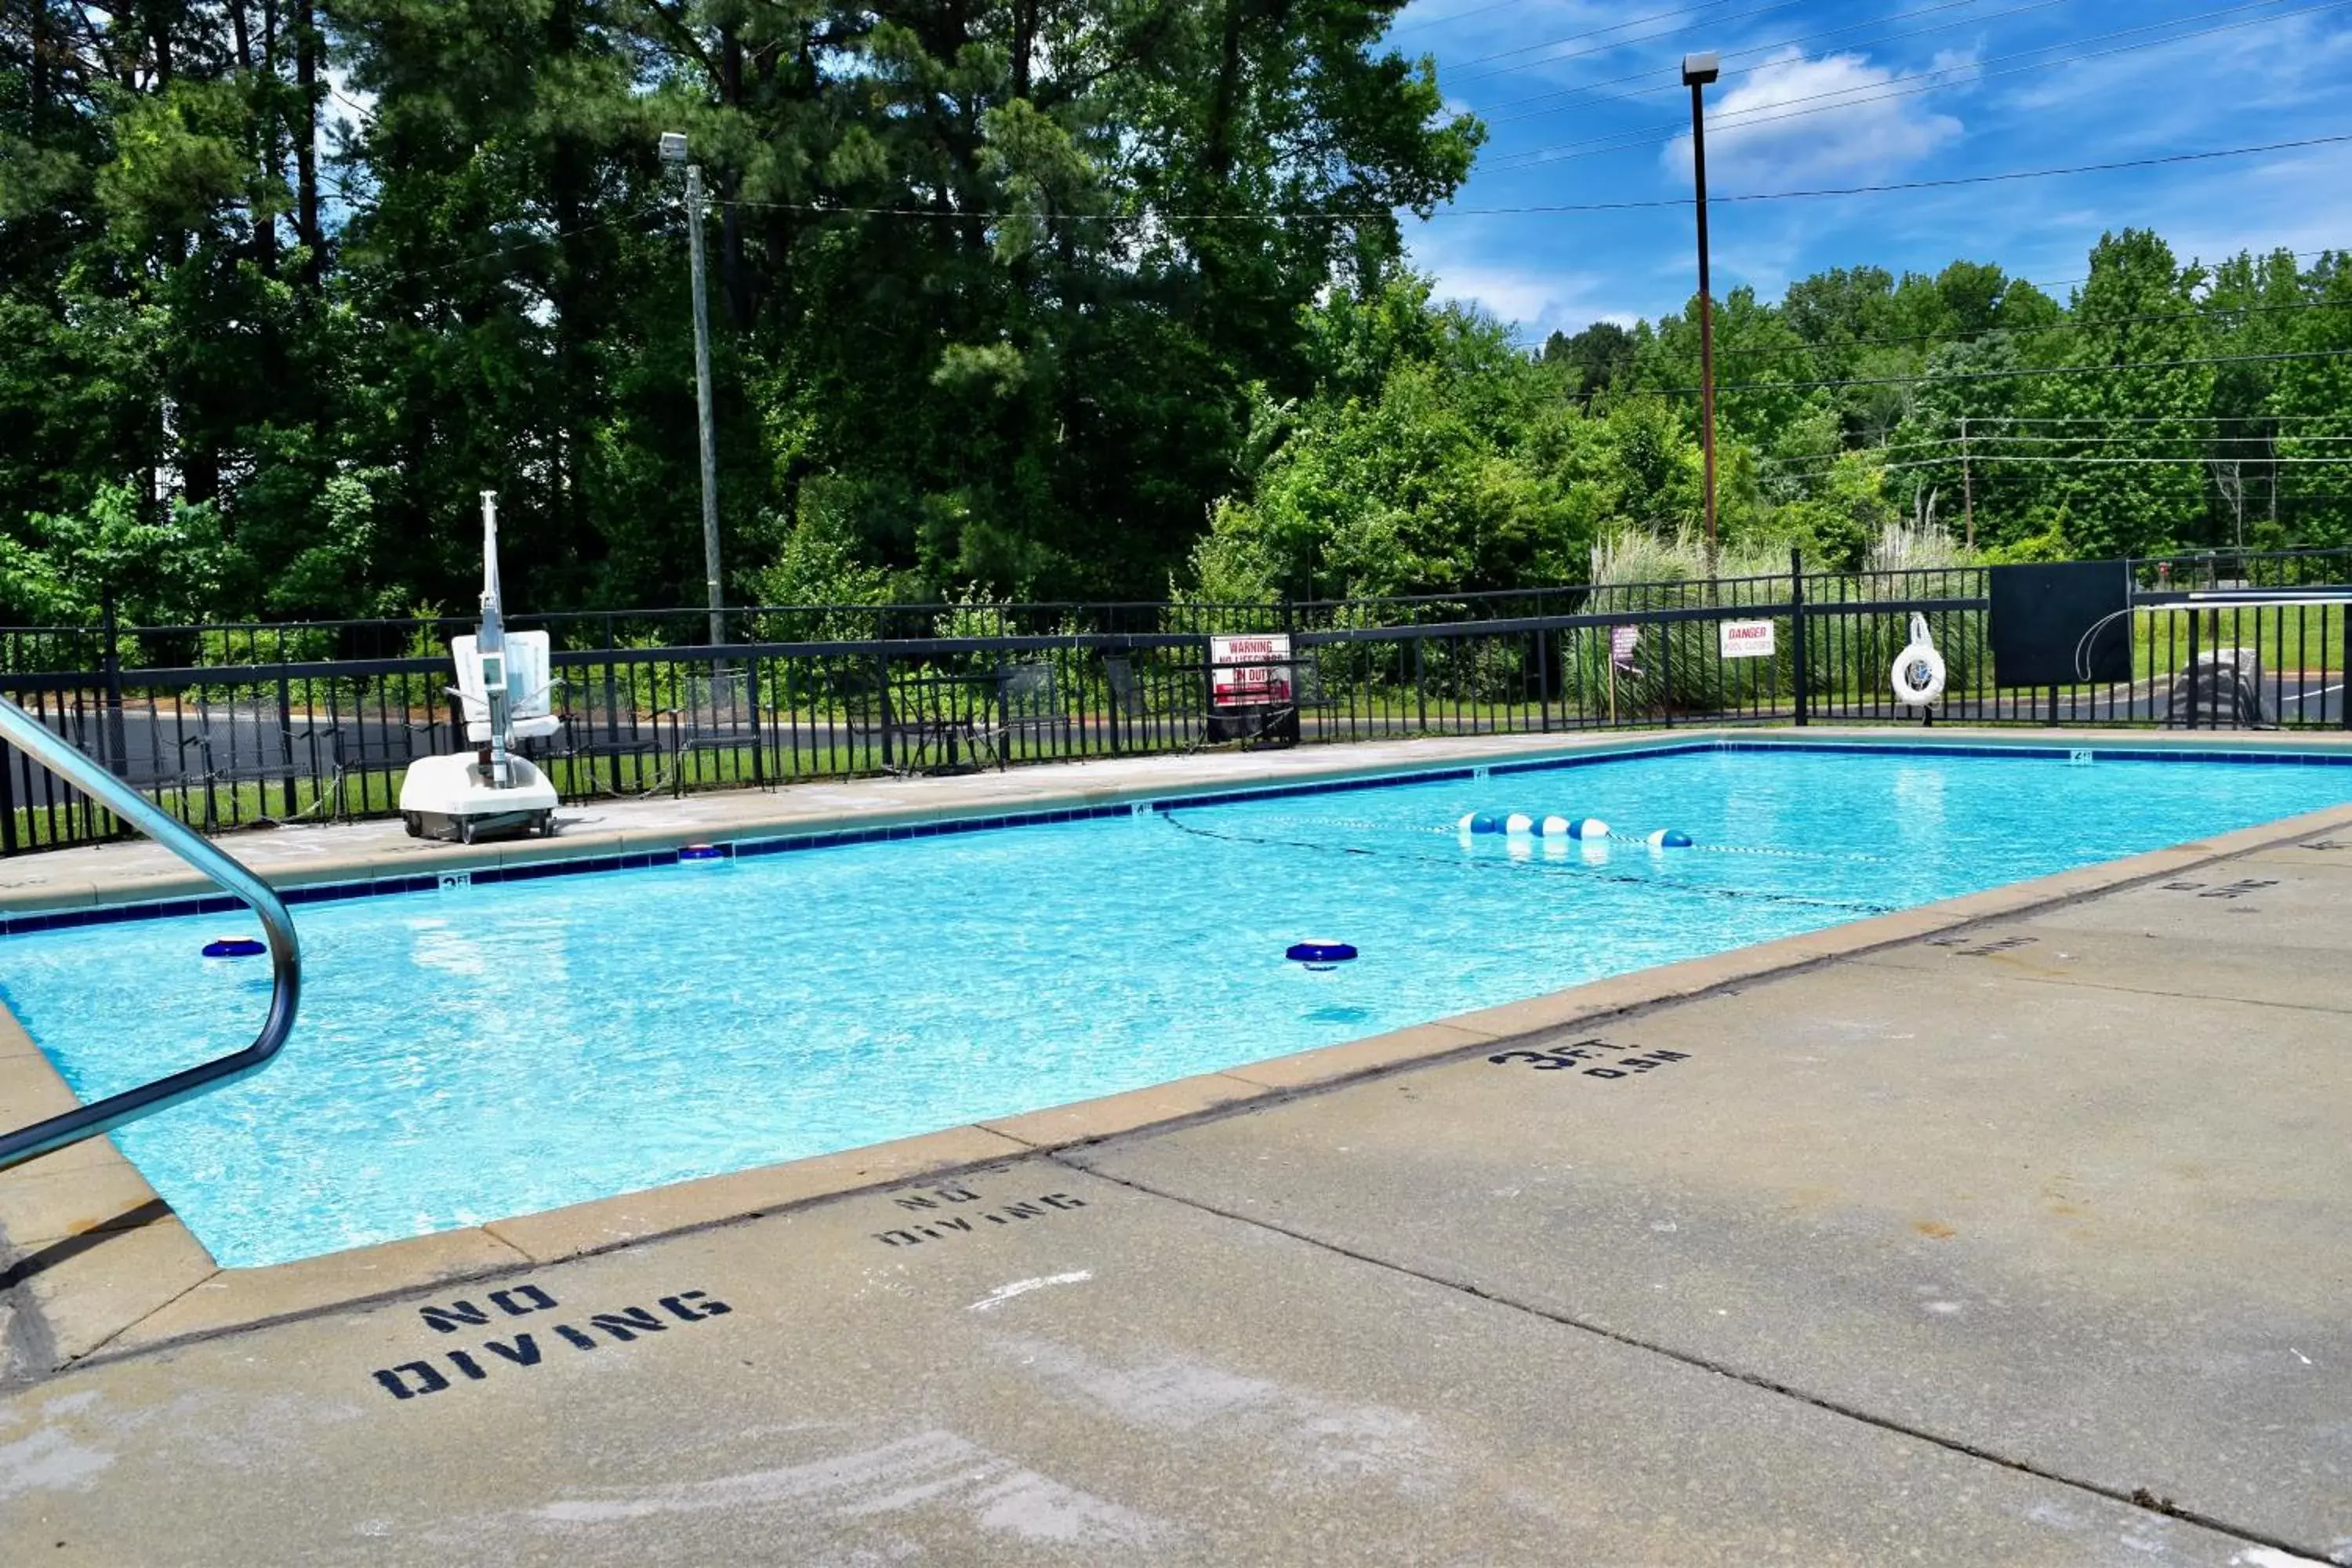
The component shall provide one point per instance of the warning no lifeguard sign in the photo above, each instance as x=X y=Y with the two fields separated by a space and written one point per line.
x=1745 y=639
x=1249 y=671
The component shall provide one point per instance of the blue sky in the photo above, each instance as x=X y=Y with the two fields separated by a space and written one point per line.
x=1579 y=96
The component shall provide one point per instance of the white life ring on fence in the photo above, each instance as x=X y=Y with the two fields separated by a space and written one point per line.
x=1918 y=668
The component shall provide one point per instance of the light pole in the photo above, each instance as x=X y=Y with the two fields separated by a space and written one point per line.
x=1697 y=71
x=672 y=151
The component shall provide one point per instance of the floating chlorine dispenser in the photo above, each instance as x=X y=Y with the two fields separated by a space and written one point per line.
x=1320 y=954
x=235 y=947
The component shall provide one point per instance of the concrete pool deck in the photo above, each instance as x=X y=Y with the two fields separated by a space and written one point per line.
x=1947 y=1235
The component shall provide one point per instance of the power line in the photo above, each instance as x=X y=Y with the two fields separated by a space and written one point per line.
x=2097 y=462
x=1451 y=16
x=2012 y=374
x=2065 y=326
x=2069 y=282
x=1973 y=439
x=1732 y=120
x=1653 y=72
x=1936 y=185
x=1743 y=119
x=2153 y=419
x=1605 y=48
x=964 y=214
x=525 y=244
x=1576 y=38
x=1952 y=450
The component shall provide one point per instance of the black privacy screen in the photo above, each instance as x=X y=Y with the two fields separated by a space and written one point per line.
x=2041 y=617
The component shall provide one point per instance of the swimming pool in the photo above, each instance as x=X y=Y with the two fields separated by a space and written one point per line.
x=499 y=1049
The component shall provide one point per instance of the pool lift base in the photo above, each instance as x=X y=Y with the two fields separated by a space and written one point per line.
x=454 y=798
x=502 y=688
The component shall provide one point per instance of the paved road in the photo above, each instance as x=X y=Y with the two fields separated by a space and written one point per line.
x=2026 y=1247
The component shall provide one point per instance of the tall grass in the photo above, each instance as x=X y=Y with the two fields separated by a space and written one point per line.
x=1675 y=665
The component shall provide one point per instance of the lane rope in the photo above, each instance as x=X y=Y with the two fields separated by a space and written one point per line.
x=1450 y=831
x=1531 y=864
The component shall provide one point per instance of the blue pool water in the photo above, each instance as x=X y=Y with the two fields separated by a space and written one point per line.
x=500 y=1049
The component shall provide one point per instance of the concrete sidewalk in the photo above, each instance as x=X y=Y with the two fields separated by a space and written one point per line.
x=2027 y=1243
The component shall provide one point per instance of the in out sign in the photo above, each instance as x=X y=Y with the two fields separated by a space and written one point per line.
x=1745 y=639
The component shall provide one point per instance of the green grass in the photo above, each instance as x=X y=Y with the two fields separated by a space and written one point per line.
x=2298 y=637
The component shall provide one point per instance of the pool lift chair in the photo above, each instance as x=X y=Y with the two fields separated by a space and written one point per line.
x=503 y=690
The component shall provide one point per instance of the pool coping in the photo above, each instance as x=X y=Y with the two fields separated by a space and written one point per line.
x=130 y=1277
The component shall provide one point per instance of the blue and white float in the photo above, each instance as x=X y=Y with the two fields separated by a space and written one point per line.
x=698 y=852
x=1589 y=831
x=235 y=947
x=1320 y=954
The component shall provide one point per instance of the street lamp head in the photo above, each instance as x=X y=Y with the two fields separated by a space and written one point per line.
x=673 y=147
x=1700 y=69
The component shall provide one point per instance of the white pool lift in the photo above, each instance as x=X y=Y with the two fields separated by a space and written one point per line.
x=504 y=687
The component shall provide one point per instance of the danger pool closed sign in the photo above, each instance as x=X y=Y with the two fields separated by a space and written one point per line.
x=1745 y=639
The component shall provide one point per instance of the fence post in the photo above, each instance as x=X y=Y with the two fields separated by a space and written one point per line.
x=1543 y=674
x=286 y=729
x=1665 y=672
x=7 y=804
x=758 y=742
x=1420 y=685
x=2192 y=669
x=1797 y=627
x=116 y=748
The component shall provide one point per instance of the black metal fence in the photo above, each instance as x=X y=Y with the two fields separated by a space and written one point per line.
x=234 y=725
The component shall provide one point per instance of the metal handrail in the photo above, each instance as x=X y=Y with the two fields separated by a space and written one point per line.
x=63 y=758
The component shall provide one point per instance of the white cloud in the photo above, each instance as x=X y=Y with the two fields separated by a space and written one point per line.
x=1812 y=119
x=1533 y=302
x=2284 y=62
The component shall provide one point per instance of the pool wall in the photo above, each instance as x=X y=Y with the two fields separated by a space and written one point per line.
x=93 y=1262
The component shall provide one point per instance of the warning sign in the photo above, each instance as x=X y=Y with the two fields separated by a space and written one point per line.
x=1250 y=671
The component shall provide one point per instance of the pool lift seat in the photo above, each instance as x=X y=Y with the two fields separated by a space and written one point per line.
x=504 y=690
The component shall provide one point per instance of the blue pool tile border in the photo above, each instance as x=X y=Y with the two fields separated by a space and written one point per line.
x=1589 y=759
x=2045 y=753
x=834 y=838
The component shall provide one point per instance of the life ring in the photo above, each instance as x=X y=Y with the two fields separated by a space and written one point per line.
x=1918 y=668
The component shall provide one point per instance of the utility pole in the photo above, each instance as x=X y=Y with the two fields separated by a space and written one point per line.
x=1967 y=484
x=672 y=151
x=1697 y=71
